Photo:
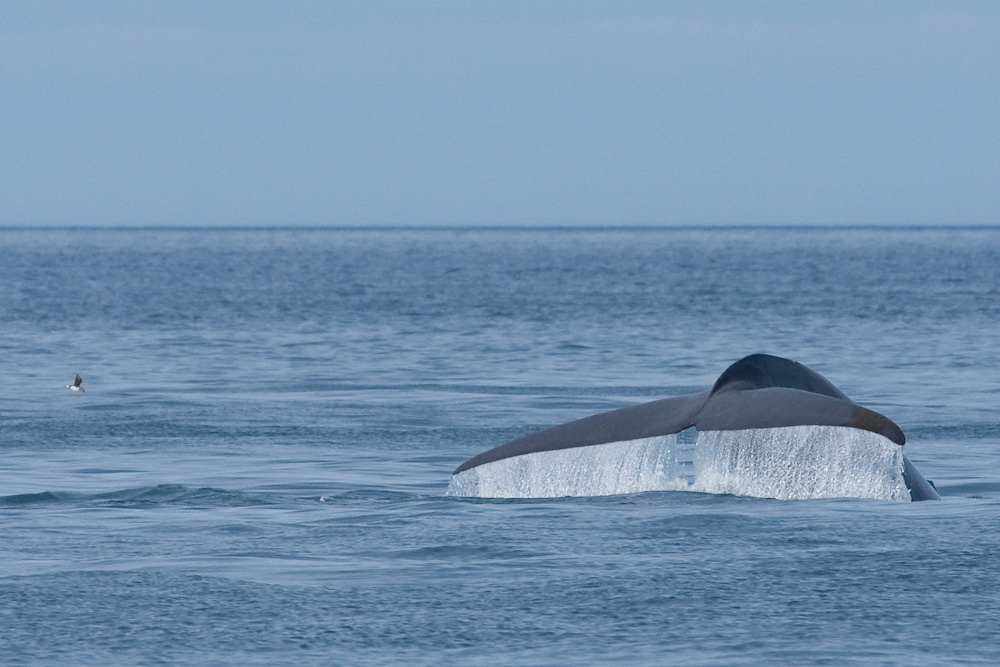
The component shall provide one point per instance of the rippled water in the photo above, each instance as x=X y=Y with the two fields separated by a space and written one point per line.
x=257 y=471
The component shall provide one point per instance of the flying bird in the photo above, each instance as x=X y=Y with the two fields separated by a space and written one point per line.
x=76 y=385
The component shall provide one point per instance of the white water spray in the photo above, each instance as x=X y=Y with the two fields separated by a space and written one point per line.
x=633 y=466
x=799 y=462
x=792 y=462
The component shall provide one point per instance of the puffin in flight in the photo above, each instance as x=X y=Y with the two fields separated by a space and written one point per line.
x=76 y=385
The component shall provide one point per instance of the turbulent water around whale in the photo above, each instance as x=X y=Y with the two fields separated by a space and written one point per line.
x=258 y=471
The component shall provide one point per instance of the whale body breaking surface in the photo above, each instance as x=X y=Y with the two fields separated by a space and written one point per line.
x=769 y=427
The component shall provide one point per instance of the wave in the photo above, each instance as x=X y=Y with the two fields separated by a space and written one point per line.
x=149 y=496
x=23 y=499
x=373 y=495
x=975 y=489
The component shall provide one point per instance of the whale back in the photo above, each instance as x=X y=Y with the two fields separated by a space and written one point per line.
x=764 y=371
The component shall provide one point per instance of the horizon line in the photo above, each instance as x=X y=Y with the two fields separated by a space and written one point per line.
x=514 y=227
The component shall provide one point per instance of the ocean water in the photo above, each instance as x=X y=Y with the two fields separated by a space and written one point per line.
x=257 y=472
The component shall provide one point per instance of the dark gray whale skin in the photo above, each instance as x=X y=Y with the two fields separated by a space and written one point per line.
x=758 y=391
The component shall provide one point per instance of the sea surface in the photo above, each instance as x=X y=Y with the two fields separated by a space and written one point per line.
x=257 y=473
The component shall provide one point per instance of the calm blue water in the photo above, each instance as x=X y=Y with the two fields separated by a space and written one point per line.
x=256 y=473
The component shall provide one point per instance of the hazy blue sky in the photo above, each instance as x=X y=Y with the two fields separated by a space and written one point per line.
x=521 y=113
